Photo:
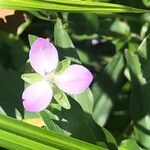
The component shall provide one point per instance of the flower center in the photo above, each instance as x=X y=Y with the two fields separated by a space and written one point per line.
x=49 y=77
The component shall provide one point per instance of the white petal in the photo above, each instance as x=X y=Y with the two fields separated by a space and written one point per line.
x=74 y=80
x=43 y=56
x=37 y=96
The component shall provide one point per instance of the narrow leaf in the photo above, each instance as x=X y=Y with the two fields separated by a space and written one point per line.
x=61 y=98
x=17 y=133
x=69 y=6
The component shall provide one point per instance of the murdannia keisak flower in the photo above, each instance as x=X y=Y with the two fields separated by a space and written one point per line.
x=43 y=57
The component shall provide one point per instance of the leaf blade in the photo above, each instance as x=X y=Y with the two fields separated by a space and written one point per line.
x=70 y=6
x=45 y=137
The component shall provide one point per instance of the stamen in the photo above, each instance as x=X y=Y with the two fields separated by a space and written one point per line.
x=49 y=77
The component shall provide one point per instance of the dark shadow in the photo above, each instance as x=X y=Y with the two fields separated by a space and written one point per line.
x=81 y=23
x=67 y=52
x=13 y=22
x=132 y=3
x=12 y=52
x=81 y=125
x=12 y=59
x=10 y=93
x=38 y=27
x=108 y=85
x=102 y=48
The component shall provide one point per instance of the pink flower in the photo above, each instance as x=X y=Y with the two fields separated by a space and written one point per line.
x=43 y=57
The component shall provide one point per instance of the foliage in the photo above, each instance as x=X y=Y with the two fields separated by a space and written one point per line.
x=111 y=38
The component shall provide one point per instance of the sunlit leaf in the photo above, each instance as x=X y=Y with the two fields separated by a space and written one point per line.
x=61 y=98
x=31 y=77
x=129 y=144
x=70 y=6
x=144 y=56
x=19 y=135
x=107 y=87
x=63 y=65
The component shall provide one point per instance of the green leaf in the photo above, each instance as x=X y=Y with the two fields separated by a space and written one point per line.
x=61 y=37
x=144 y=30
x=64 y=43
x=144 y=56
x=140 y=102
x=44 y=15
x=110 y=139
x=140 y=106
x=120 y=27
x=12 y=141
x=32 y=39
x=76 y=121
x=62 y=66
x=106 y=88
x=134 y=67
x=129 y=144
x=15 y=134
x=61 y=98
x=50 y=124
x=146 y=3
x=69 y=6
x=31 y=77
x=86 y=100
x=78 y=124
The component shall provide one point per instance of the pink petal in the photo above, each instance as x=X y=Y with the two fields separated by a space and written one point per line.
x=43 y=56
x=74 y=80
x=37 y=96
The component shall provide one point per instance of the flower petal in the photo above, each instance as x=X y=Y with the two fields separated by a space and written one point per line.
x=43 y=56
x=74 y=80
x=37 y=96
